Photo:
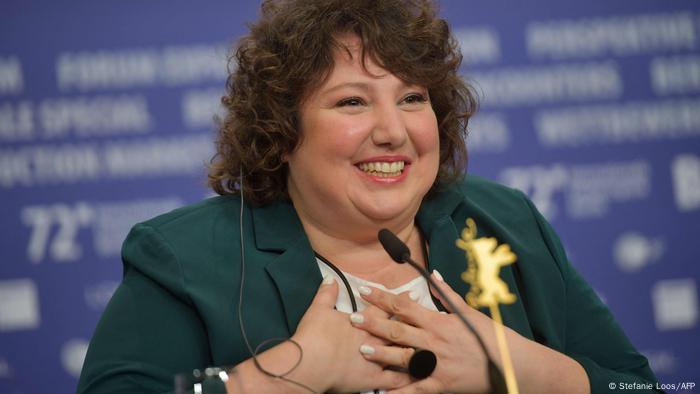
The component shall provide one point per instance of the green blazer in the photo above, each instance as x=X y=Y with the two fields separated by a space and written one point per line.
x=177 y=306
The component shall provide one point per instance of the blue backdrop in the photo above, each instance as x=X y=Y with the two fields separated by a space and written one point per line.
x=592 y=108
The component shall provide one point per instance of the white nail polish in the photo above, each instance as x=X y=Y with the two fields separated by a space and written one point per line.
x=413 y=295
x=438 y=276
x=366 y=349
x=357 y=318
x=328 y=279
x=364 y=290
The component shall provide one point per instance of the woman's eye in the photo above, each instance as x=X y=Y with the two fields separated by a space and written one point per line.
x=415 y=98
x=350 y=102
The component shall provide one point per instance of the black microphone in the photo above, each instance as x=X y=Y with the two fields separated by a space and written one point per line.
x=399 y=252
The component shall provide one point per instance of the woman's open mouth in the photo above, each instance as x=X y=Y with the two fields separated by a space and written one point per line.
x=383 y=169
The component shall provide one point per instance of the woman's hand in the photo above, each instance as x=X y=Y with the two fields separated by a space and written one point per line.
x=331 y=344
x=461 y=365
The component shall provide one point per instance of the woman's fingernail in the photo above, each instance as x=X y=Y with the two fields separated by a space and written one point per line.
x=438 y=276
x=328 y=279
x=366 y=349
x=413 y=295
x=357 y=318
x=364 y=290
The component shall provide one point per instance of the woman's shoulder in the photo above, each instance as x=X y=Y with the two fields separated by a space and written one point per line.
x=193 y=216
x=477 y=194
x=511 y=217
x=477 y=188
x=186 y=240
x=183 y=234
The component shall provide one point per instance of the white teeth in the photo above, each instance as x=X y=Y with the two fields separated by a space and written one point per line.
x=383 y=169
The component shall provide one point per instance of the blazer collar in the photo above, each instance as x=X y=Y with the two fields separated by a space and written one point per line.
x=439 y=206
x=276 y=226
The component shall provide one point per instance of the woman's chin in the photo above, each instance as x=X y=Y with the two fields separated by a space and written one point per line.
x=384 y=212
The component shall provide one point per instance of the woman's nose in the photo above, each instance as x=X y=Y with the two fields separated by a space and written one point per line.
x=390 y=128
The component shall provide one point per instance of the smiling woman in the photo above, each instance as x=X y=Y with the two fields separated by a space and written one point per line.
x=358 y=128
x=344 y=118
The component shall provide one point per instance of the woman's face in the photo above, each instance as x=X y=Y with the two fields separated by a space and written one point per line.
x=369 y=148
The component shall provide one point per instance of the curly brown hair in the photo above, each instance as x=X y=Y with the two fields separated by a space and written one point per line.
x=289 y=52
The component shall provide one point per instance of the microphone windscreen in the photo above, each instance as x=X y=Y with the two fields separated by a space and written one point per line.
x=396 y=249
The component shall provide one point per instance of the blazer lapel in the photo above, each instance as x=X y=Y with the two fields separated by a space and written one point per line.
x=297 y=278
x=294 y=272
x=446 y=257
x=435 y=220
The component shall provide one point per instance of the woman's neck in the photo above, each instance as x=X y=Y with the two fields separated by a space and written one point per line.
x=363 y=256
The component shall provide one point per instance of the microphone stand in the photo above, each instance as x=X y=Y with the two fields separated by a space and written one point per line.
x=400 y=253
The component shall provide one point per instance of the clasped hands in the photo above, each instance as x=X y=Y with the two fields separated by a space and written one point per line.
x=373 y=351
